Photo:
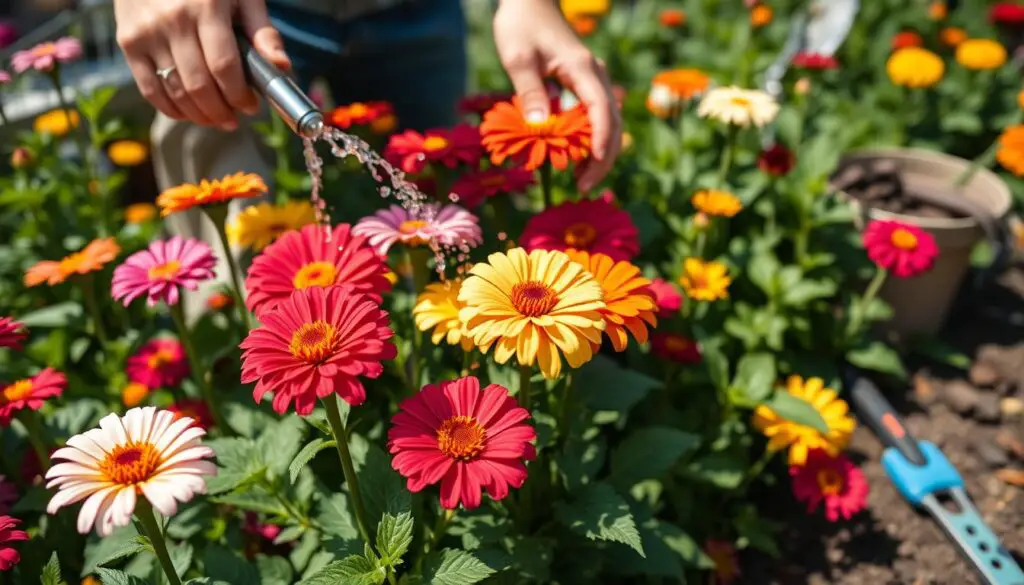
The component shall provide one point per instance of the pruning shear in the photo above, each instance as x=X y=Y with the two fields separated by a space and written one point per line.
x=926 y=479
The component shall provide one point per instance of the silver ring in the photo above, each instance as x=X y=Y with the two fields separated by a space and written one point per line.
x=166 y=72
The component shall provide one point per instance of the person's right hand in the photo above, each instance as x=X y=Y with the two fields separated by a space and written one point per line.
x=195 y=37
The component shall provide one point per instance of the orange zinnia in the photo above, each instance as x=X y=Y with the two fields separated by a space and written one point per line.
x=672 y=18
x=188 y=195
x=563 y=137
x=90 y=259
x=683 y=83
x=629 y=303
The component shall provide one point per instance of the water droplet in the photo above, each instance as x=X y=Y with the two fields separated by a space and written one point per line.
x=502 y=236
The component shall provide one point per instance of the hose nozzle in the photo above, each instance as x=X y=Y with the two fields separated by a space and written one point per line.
x=281 y=92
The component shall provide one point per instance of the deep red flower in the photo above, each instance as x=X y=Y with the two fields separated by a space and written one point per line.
x=12 y=333
x=195 y=409
x=776 y=160
x=907 y=38
x=836 y=481
x=479 y=103
x=815 y=61
x=8 y=556
x=1006 y=13
x=591 y=225
x=8 y=494
x=473 y=188
x=675 y=348
x=727 y=566
x=29 y=393
x=412 y=151
x=901 y=248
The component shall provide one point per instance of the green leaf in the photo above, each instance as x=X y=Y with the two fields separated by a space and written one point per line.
x=649 y=453
x=755 y=376
x=240 y=463
x=112 y=577
x=100 y=549
x=599 y=513
x=181 y=558
x=941 y=352
x=388 y=494
x=130 y=549
x=290 y=534
x=454 y=567
x=806 y=291
x=879 y=357
x=307 y=454
x=610 y=387
x=721 y=469
x=279 y=444
x=51 y=572
x=336 y=519
x=274 y=570
x=254 y=499
x=53 y=316
x=224 y=565
x=762 y=269
x=354 y=570
x=394 y=535
x=797 y=410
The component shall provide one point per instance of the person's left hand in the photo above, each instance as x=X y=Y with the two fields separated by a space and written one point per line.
x=534 y=41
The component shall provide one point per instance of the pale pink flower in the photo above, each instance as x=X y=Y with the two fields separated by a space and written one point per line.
x=45 y=56
x=448 y=226
x=5 y=77
x=146 y=452
x=160 y=270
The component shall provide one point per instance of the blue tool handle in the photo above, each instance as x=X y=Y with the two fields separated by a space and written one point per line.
x=878 y=414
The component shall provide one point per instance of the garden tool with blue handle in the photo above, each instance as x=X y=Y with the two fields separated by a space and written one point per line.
x=926 y=479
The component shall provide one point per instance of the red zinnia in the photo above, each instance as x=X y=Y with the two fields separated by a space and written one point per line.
x=161 y=363
x=195 y=409
x=316 y=343
x=314 y=257
x=907 y=38
x=473 y=188
x=592 y=225
x=815 y=61
x=833 y=480
x=467 y=438
x=675 y=348
x=29 y=393
x=11 y=333
x=412 y=151
x=727 y=566
x=777 y=160
x=903 y=249
x=359 y=114
x=479 y=103
x=1008 y=13
x=8 y=556
x=562 y=138
x=667 y=297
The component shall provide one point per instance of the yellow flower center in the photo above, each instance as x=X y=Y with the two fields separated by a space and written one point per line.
x=435 y=143
x=541 y=127
x=677 y=343
x=358 y=110
x=580 y=235
x=411 y=226
x=44 y=50
x=903 y=239
x=130 y=464
x=321 y=274
x=533 y=299
x=740 y=102
x=165 y=271
x=19 y=390
x=830 y=482
x=160 y=359
x=314 y=342
x=461 y=437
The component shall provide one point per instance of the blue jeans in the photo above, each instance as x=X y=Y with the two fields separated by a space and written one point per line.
x=413 y=56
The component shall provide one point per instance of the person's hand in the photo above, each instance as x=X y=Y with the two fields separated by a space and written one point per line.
x=196 y=38
x=534 y=41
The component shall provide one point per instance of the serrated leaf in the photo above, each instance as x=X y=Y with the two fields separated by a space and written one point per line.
x=253 y=500
x=394 y=535
x=599 y=513
x=279 y=443
x=336 y=517
x=306 y=455
x=51 y=572
x=353 y=570
x=100 y=549
x=649 y=453
x=454 y=567
x=388 y=494
x=112 y=577
x=274 y=570
x=240 y=462
x=130 y=549
x=224 y=565
x=797 y=410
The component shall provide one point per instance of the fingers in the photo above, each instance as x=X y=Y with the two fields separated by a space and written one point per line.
x=589 y=80
x=152 y=87
x=176 y=91
x=525 y=71
x=220 y=49
x=264 y=37
x=198 y=81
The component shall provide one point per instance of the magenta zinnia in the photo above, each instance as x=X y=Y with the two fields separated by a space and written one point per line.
x=161 y=363
x=29 y=393
x=594 y=226
x=413 y=151
x=474 y=188
x=448 y=226
x=162 y=270
x=314 y=257
x=901 y=248
x=316 y=343
x=836 y=481
x=464 y=437
x=12 y=333
x=8 y=534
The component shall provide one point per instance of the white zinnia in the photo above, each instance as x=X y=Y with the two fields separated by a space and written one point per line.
x=144 y=452
x=741 y=107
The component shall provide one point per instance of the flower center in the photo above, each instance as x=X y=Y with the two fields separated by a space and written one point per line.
x=321 y=274
x=830 y=482
x=314 y=342
x=541 y=127
x=160 y=359
x=435 y=143
x=903 y=239
x=677 y=344
x=165 y=271
x=19 y=390
x=493 y=181
x=45 y=50
x=461 y=437
x=580 y=235
x=741 y=102
x=698 y=281
x=411 y=226
x=130 y=464
x=533 y=299
x=358 y=110
x=278 y=228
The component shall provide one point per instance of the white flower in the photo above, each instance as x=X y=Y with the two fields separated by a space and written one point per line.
x=661 y=100
x=741 y=107
x=145 y=452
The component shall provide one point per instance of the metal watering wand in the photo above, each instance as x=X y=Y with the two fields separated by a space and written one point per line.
x=281 y=92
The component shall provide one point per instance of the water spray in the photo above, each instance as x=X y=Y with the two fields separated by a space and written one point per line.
x=281 y=92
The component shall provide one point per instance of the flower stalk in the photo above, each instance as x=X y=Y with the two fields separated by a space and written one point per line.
x=30 y=421
x=728 y=152
x=525 y=382
x=150 y=526
x=857 y=317
x=546 y=181
x=341 y=442
x=218 y=214
x=93 y=307
x=198 y=372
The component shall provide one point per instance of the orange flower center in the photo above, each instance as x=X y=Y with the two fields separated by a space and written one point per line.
x=435 y=143
x=411 y=226
x=580 y=235
x=45 y=50
x=461 y=437
x=160 y=359
x=542 y=127
x=321 y=274
x=677 y=343
x=698 y=281
x=19 y=390
x=358 y=110
x=740 y=101
x=533 y=299
x=165 y=271
x=131 y=464
x=903 y=239
x=314 y=342
x=830 y=482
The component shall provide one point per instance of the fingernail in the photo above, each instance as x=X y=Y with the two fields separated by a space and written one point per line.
x=535 y=116
x=229 y=126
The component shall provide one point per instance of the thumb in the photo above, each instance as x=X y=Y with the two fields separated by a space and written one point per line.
x=264 y=37
x=533 y=94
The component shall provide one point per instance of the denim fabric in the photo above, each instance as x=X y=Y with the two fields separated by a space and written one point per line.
x=413 y=55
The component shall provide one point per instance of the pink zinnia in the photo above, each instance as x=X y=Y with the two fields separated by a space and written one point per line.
x=8 y=494
x=833 y=480
x=5 y=77
x=901 y=248
x=667 y=297
x=815 y=61
x=412 y=151
x=595 y=226
x=162 y=270
x=261 y=529
x=316 y=343
x=464 y=437
x=314 y=257
x=29 y=393
x=8 y=556
x=161 y=363
x=8 y=34
x=473 y=188
x=12 y=333
x=480 y=103
x=45 y=56
x=448 y=226
x=195 y=409
x=675 y=348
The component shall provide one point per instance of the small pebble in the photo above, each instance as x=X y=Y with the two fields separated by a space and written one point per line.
x=1012 y=443
x=1011 y=407
x=960 y=396
x=924 y=390
x=983 y=374
x=991 y=454
x=987 y=409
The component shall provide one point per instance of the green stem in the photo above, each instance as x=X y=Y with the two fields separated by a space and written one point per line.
x=35 y=437
x=144 y=513
x=93 y=307
x=440 y=528
x=219 y=214
x=857 y=318
x=545 y=184
x=525 y=376
x=341 y=442
x=758 y=466
x=727 y=156
x=467 y=362
x=198 y=372
x=3 y=114
x=564 y=410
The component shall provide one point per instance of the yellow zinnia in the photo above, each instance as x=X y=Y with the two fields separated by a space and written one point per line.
x=802 y=439
x=915 y=67
x=139 y=213
x=56 y=122
x=981 y=54
x=438 y=307
x=128 y=153
x=630 y=305
x=537 y=306
x=717 y=203
x=705 y=281
x=573 y=9
x=259 y=225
